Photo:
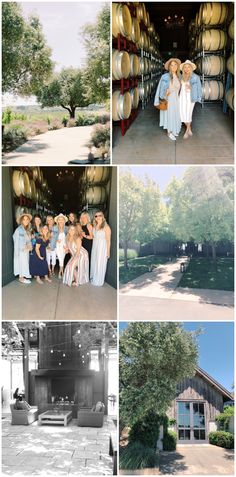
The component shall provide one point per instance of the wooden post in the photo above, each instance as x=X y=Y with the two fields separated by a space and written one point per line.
x=26 y=365
x=106 y=343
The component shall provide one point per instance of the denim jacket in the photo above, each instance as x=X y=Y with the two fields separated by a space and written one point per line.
x=163 y=85
x=21 y=239
x=54 y=237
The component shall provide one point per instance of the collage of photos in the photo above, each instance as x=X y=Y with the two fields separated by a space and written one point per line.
x=117 y=237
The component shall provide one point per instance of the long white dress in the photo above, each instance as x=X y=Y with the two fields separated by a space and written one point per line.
x=98 y=258
x=22 y=240
x=77 y=267
x=170 y=119
x=186 y=105
x=60 y=248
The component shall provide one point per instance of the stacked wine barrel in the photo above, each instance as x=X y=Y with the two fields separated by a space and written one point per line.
x=135 y=57
x=95 y=188
x=30 y=190
x=229 y=95
x=208 y=37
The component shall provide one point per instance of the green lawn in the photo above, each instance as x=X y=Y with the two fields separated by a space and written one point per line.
x=201 y=273
x=139 y=266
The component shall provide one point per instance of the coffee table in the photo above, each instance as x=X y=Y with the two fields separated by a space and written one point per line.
x=55 y=417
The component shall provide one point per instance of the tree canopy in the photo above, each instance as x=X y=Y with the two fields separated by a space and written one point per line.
x=154 y=359
x=26 y=57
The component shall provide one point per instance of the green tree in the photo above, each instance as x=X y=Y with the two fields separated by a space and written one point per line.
x=96 y=38
x=154 y=359
x=66 y=89
x=26 y=58
x=131 y=190
x=152 y=214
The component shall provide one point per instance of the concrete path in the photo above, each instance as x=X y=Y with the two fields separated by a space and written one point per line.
x=56 y=450
x=197 y=460
x=54 y=148
x=55 y=301
x=146 y=143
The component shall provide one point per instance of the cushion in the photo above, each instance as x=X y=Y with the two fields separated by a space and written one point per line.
x=22 y=405
x=93 y=408
x=99 y=407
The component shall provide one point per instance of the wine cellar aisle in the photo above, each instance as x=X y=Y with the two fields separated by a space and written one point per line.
x=151 y=33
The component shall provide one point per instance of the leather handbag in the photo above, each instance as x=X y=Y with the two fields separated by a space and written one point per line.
x=163 y=105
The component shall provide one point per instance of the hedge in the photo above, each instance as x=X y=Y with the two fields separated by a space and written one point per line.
x=222 y=439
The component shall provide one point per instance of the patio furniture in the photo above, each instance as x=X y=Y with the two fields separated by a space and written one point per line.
x=23 y=417
x=91 y=417
x=113 y=450
x=55 y=417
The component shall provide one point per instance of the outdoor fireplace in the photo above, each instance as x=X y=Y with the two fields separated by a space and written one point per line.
x=63 y=389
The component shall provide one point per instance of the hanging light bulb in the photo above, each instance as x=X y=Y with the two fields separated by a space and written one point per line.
x=78 y=332
x=88 y=354
x=79 y=345
x=52 y=351
x=63 y=355
x=31 y=334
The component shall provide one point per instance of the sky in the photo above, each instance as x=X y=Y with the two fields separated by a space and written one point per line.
x=161 y=174
x=62 y=22
x=216 y=349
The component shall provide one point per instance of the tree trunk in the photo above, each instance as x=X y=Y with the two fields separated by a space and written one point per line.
x=213 y=247
x=125 y=253
x=72 y=112
x=207 y=250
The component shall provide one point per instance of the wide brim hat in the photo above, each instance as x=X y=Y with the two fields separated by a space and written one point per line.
x=167 y=63
x=18 y=220
x=59 y=216
x=188 y=62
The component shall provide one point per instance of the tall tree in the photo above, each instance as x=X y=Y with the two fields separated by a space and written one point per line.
x=131 y=192
x=66 y=89
x=152 y=214
x=154 y=358
x=96 y=38
x=26 y=58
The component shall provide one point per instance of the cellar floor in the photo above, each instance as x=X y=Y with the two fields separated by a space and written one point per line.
x=56 y=450
x=146 y=143
x=55 y=301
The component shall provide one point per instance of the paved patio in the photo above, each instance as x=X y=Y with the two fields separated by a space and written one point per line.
x=56 y=450
x=55 y=301
x=197 y=460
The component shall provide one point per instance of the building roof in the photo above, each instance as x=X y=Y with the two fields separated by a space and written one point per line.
x=226 y=394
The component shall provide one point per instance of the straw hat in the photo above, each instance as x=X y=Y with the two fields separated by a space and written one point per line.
x=18 y=220
x=167 y=63
x=188 y=62
x=59 y=216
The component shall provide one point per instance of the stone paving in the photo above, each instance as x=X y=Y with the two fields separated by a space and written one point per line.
x=56 y=450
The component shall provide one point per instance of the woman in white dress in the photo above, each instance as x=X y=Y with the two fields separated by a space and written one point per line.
x=100 y=249
x=77 y=269
x=22 y=247
x=61 y=241
x=189 y=94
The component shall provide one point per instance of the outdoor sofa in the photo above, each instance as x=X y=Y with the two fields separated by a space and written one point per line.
x=91 y=417
x=23 y=417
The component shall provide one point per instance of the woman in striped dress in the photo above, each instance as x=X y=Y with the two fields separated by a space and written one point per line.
x=77 y=269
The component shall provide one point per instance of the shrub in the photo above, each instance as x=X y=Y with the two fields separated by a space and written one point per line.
x=170 y=441
x=146 y=430
x=104 y=118
x=71 y=123
x=223 y=418
x=13 y=138
x=130 y=253
x=7 y=116
x=100 y=134
x=64 y=121
x=56 y=124
x=80 y=120
x=49 y=119
x=222 y=439
x=137 y=456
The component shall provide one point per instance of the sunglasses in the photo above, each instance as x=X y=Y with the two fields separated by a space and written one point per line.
x=97 y=216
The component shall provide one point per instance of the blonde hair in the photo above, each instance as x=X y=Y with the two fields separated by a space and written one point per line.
x=48 y=233
x=28 y=228
x=103 y=224
x=184 y=74
x=79 y=230
x=84 y=214
x=177 y=72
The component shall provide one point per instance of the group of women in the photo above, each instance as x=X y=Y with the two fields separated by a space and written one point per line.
x=180 y=93
x=81 y=248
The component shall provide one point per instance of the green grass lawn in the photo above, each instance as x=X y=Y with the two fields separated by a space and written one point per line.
x=201 y=273
x=139 y=266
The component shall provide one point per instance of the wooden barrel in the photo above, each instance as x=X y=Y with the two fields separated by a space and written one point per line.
x=36 y=173
x=134 y=65
x=230 y=64
x=140 y=11
x=211 y=40
x=151 y=29
x=143 y=90
x=134 y=92
x=33 y=190
x=120 y=64
x=17 y=183
x=121 y=20
x=96 y=175
x=121 y=105
x=231 y=29
x=211 y=65
x=143 y=42
x=26 y=187
x=213 y=90
x=213 y=13
x=94 y=195
x=230 y=98
x=135 y=30
x=144 y=65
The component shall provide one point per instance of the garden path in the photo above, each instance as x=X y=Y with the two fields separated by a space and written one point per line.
x=56 y=450
x=52 y=148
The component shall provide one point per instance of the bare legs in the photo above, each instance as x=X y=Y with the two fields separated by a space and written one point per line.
x=188 y=131
x=40 y=282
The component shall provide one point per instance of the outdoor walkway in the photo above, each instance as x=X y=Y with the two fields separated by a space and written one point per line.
x=197 y=460
x=56 y=450
x=52 y=148
x=55 y=301
x=145 y=142
x=156 y=295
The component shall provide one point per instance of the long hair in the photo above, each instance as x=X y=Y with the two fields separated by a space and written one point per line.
x=83 y=215
x=69 y=236
x=33 y=225
x=177 y=72
x=184 y=75
x=28 y=228
x=48 y=235
x=79 y=230
x=103 y=224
